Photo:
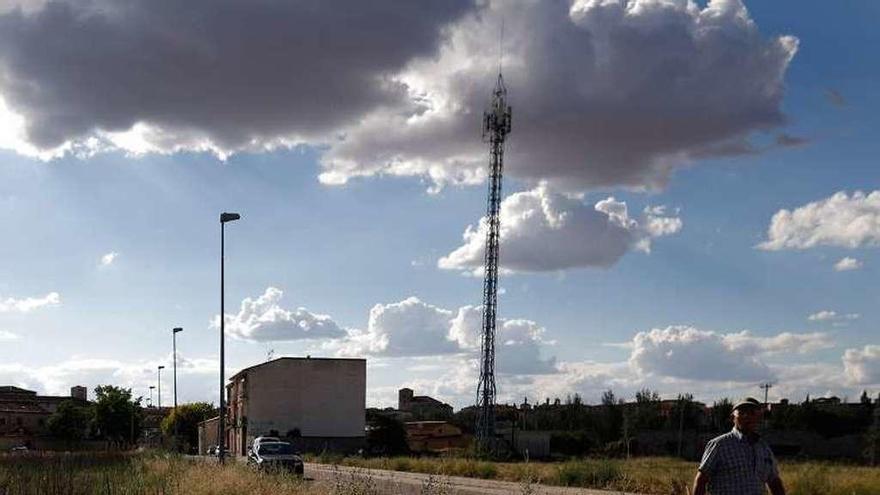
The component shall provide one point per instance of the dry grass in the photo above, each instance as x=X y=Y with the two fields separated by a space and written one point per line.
x=126 y=474
x=651 y=475
x=155 y=474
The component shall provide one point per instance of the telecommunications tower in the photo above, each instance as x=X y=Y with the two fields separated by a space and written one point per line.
x=496 y=127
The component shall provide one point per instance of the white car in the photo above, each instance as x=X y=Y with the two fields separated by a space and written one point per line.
x=259 y=440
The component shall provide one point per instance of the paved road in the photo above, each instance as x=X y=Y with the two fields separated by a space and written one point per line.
x=403 y=483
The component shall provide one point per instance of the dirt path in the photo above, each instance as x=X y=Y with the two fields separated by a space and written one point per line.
x=404 y=483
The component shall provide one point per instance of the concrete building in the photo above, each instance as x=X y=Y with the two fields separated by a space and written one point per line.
x=422 y=407
x=319 y=403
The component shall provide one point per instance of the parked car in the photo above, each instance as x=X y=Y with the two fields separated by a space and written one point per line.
x=275 y=456
x=258 y=440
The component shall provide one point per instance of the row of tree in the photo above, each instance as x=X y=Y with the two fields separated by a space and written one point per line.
x=118 y=418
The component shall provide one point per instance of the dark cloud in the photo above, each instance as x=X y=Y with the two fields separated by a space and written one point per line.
x=234 y=73
x=604 y=94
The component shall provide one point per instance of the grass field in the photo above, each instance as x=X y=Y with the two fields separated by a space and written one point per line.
x=156 y=474
x=655 y=476
x=143 y=474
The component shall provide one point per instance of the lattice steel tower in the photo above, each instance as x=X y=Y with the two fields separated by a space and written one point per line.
x=496 y=127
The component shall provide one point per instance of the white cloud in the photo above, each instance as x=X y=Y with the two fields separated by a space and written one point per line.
x=262 y=319
x=840 y=220
x=109 y=258
x=196 y=376
x=688 y=353
x=585 y=78
x=413 y=328
x=782 y=343
x=10 y=305
x=862 y=366
x=6 y=336
x=828 y=315
x=518 y=342
x=846 y=264
x=406 y=328
x=545 y=231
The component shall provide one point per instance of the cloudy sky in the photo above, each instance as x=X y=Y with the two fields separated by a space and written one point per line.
x=692 y=196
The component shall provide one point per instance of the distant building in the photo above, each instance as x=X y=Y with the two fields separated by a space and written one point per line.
x=23 y=412
x=317 y=402
x=434 y=436
x=422 y=407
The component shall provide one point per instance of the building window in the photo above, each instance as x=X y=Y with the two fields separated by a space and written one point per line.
x=18 y=421
x=2 y=421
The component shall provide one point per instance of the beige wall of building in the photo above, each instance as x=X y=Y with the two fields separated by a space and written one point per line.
x=321 y=397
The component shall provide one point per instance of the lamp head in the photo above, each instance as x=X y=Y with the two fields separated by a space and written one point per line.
x=161 y=367
x=176 y=330
x=229 y=217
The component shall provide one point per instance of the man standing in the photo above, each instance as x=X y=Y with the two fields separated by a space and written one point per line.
x=739 y=462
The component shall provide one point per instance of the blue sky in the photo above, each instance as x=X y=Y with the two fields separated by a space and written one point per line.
x=581 y=315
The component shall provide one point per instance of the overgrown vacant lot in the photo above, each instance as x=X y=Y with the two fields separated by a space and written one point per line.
x=660 y=476
x=130 y=474
x=155 y=474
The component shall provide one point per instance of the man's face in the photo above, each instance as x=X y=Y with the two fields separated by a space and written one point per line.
x=747 y=419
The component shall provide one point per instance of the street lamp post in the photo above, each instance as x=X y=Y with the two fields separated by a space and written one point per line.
x=221 y=435
x=159 y=372
x=174 y=332
x=152 y=387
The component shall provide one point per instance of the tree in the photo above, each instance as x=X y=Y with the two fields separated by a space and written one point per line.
x=184 y=421
x=385 y=435
x=70 y=422
x=648 y=410
x=721 y=412
x=117 y=417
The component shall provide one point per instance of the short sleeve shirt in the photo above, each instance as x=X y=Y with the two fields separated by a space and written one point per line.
x=737 y=466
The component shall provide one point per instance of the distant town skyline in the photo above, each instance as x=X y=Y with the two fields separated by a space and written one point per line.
x=692 y=197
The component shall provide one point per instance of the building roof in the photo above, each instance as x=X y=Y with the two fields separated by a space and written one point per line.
x=307 y=358
x=427 y=399
x=9 y=389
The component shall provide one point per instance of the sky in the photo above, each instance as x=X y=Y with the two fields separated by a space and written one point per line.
x=691 y=194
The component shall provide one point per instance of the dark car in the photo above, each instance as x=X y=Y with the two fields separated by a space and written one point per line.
x=275 y=456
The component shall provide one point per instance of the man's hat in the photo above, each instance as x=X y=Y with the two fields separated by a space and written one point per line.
x=747 y=403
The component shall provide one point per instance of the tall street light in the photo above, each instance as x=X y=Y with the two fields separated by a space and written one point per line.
x=152 y=387
x=174 y=332
x=159 y=372
x=221 y=435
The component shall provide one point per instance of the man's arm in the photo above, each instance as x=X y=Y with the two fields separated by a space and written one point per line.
x=700 y=482
x=776 y=486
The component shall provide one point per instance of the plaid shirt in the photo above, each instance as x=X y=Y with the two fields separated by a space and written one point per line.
x=737 y=466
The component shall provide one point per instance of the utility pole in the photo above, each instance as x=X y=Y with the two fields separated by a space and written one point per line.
x=174 y=332
x=681 y=403
x=766 y=386
x=159 y=372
